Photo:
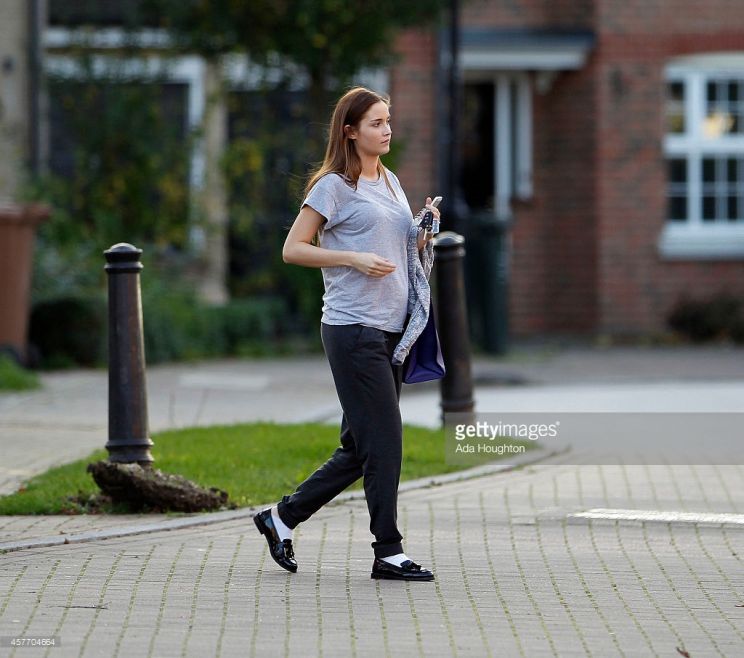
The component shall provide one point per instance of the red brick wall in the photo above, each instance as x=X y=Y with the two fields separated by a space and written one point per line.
x=564 y=153
x=668 y=18
x=553 y=267
x=631 y=190
x=635 y=40
x=584 y=255
x=517 y=14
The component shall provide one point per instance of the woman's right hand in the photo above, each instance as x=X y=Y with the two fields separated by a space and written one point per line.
x=372 y=264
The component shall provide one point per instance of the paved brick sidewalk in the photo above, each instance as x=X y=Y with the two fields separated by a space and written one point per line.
x=516 y=576
x=26 y=527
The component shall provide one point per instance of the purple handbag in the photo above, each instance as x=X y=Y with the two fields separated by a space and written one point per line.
x=424 y=362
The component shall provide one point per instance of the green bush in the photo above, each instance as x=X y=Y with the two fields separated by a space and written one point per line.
x=69 y=331
x=716 y=318
x=177 y=326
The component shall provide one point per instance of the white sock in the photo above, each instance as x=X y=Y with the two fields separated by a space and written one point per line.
x=282 y=530
x=397 y=560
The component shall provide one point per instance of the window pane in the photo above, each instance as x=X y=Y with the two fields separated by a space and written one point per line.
x=731 y=170
x=722 y=187
x=737 y=111
x=724 y=114
x=709 y=170
x=677 y=170
x=677 y=189
x=709 y=208
x=731 y=208
x=677 y=208
x=675 y=107
x=718 y=122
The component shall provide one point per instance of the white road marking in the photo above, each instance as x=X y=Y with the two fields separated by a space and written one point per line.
x=660 y=516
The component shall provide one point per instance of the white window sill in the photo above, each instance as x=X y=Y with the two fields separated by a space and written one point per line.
x=701 y=243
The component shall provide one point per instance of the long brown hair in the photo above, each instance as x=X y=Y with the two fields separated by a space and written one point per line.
x=341 y=156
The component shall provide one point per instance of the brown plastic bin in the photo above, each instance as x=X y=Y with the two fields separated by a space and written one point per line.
x=17 y=231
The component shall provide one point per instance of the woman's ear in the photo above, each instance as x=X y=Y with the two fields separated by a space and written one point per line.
x=349 y=131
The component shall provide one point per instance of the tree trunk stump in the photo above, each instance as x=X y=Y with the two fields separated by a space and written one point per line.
x=139 y=487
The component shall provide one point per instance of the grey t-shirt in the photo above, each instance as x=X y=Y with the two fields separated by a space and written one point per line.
x=368 y=219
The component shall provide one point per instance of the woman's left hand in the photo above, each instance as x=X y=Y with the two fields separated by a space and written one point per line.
x=425 y=236
x=432 y=208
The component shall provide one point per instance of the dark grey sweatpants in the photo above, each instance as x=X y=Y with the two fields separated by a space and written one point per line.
x=368 y=387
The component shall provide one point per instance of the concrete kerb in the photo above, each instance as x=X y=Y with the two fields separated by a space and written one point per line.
x=529 y=458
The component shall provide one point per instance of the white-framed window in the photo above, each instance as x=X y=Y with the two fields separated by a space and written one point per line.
x=704 y=157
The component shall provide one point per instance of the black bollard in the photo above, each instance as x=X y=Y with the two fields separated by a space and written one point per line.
x=128 y=432
x=452 y=324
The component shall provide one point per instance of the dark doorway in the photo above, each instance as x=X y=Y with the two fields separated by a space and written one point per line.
x=476 y=146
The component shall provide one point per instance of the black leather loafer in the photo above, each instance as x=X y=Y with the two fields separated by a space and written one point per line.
x=281 y=551
x=409 y=570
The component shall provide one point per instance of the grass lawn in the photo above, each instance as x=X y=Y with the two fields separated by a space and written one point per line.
x=255 y=463
x=15 y=378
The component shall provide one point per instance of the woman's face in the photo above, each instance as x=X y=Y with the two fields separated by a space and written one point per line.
x=372 y=135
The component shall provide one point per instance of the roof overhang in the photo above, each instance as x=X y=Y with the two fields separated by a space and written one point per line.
x=536 y=50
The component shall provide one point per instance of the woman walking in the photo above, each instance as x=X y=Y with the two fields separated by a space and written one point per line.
x=360 y=217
